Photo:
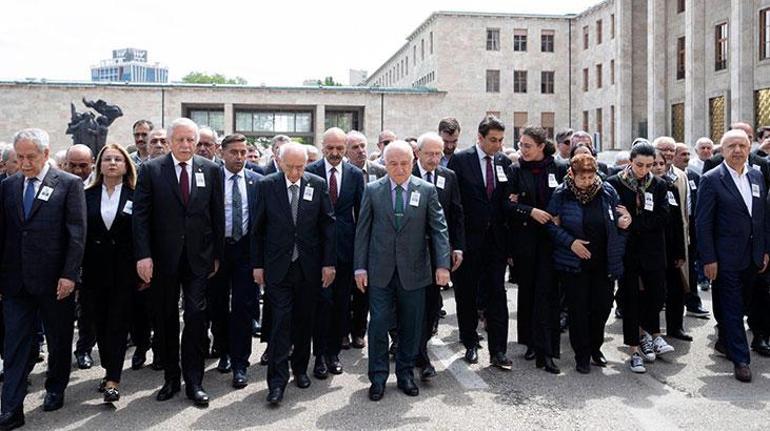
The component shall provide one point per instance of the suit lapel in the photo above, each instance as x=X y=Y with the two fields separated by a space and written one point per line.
x=168 y=171
x=282 y=194
x=50 y=180
x=94 y=197
x=728 y=182
x=408 y=209
x=251 y=192
x=196 y=169
x=385 y=196
x=476 y=169
x=20 y=198
x=119 y=219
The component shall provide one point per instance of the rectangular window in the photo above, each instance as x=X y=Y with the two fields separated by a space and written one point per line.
x=406 y=62
x=599 y=121
x=585 y=79
x=598 y=32
x=422 y=49
x=764 y=34
x=585 y=121
x=519 y=123
x=208 y=117
x=519 y=81
x=546 y=41
x=493 y=81
x=762 y=106
x=612 y=126
x=677 y=122
x=414 y=54
x=431 y=43
x=345 y=120
x=680 y=6
x=520 y=40
x=680 y=58
x=612 y=26
x=546 y=82
x=547 y=122
x=585 y=37
x=493 y=39
x=720 y=46
x=717 y=118
x=612 y=72
x=598 y=76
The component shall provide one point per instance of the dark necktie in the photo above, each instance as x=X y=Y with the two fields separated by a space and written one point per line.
x=490 y=177
x=333 y=185
x=184 y=183
x=294 y=206
x=29 y=196
x=399 y=210
x=429 y=177
x=237 y=219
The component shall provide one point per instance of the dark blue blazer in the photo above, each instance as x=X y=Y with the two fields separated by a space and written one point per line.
x=347 y=207
x=726 y=233
x=48 y=245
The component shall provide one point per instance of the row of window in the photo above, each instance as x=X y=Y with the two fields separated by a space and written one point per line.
x=599 y=76
x=599 y=31
x=599 y=124
x=400 y=68
x=425 y=80
x=520 y=40
x=520 y=81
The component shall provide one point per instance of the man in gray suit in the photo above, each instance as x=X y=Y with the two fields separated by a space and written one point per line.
x=392 y=256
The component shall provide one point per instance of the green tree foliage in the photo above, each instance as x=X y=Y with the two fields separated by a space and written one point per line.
x=217 y=78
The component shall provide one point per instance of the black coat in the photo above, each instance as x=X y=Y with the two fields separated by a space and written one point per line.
x=449 y=197
x=754 y=161
x=674 y=227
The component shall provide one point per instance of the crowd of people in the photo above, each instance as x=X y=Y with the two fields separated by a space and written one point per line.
x=321 y=252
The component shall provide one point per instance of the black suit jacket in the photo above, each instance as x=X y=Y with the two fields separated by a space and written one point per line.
x=347 y=207
x=275 y=232
x=255 y=168
x=49 y=244
x=483 y=216
x=754 y=160
x=164 y=227
x=109 y=256
x=449 y=197
x=269 y=168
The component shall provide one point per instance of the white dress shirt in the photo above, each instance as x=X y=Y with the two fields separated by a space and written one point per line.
x=40 y=177
x=424 y=172
x=288 y=190
x=109 y=206
x=483 y=164
x=338 y=174
x=697 y=165
x=229 y=202
x=742 y=183
x=188 y=168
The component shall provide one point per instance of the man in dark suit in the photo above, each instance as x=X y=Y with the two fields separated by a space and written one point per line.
x=755 y=161
x=480 y=171
x=42 y=240
x=231 y=318
x=393 y=261
x=346 y=185
x=430 y=149
x=294 y=257
x=733 y=241
x=179 y=241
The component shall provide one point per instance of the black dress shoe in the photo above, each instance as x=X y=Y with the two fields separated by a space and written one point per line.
x=472 y=355
x=428 y=372
x=11 y=420
x=501 y=361
x=759 y=345
x=240 y=379
x=302 y=381
x=138 y=360
x=408 y=387
x=529 y=354
x=546 y=363
x=680 y=335
x=275 y=396
x=168 y=390
x=224 y=365
x=111 y=395
x=263 y=359
x=53 y=401
x=743 y=373
x=85 y=361
x=376 y=391
x=598 y=358
x=334 y=365
x=345 y=344
x=198 y=396
x=320 y=371
x=358 y=342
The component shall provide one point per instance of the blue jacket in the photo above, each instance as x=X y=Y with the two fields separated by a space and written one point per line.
x=565 y=205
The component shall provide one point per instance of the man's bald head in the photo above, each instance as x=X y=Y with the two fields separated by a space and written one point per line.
x=334 y=145
x=384 y=138
x=740 y=125
x=79 y=161
x=682 y=156
x=293 y=158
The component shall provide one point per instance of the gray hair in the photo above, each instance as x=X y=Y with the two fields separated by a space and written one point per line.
x=279 y=140
x=429 y=136
x=622 y=156
x=38 y=136
x=397 y=145
x=292 y=146
x=179 y=122
x=213 y=133
x=311 y=149
x=660 y=140
x=734 y=134
x=703 y=141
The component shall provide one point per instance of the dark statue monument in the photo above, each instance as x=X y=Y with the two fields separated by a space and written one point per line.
x=88 y=129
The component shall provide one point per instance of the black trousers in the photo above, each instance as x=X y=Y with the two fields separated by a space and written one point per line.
x=332 y=313
x=675 y=297
x=166 y=298
x=359 y=311
x=482 y=274
x=233 y=296
x=692 y=298
x=292 y=301
x=735 y=290
x=109 y=302
x=433 y=302
x=641 y=308
x=143 y=323
x=759 y=310
x=86 y=326
x=538 y=308
x=589 y=294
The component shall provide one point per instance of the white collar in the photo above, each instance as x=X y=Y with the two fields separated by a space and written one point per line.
x=328 y=166
x=177 y=162
x=735 y=173
x=43 y=172
x=289 y=183
x=229 y=174
x=482 y=154
x=423 y=171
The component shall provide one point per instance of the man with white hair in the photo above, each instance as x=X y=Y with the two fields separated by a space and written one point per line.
x=42 y=241
x=273 y=165
x=704 y=148
x=179 y=225
x=208 y=144
x=294 y=257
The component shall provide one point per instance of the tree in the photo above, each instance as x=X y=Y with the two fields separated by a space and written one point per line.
x=329 y=82
x=204 y=78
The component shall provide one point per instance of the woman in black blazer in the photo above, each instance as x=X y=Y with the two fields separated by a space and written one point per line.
x=109 y=271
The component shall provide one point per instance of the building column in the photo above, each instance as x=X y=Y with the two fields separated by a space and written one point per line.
x=320 y=124
x=741 y=60
x=229 y=119
x=624 y=108
x=657 y=96
x=695 y=110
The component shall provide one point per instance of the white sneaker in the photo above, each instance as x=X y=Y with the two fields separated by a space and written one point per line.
x=647 y=348
x=636 y=363
x=661 y=347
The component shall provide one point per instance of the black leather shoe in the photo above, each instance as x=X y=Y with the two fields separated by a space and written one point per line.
x=529 y=354
x=760 y=346
x=224 y=365
x=198 y=396
x=240 y=379
x=598 y=358
x=546 y=363
x=111 y=395
x=334 y=365
x=345 y=343
x=358 y=342
x=275 y=396
x=472 y=355
x=302 y=381
x=743 y=373
x=263 y=359
x=11 y=420
x=138 y=360
x=680 y=335
x=408 y=387
x=376 y=391
x=53 y=401
x=85 y=361
x=501 y=361
x=428 y=372
x=168 y=390
x=320 y=371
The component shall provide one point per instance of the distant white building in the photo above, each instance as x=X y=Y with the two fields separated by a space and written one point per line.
x=357 y=77
x=129 y=65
